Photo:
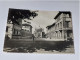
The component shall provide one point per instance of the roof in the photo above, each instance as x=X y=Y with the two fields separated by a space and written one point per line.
x=50 y=26
x=60 y=12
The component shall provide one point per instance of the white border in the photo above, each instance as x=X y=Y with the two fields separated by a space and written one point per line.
x=37 y=5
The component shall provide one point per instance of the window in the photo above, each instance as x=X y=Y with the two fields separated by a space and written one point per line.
x=67 y=24
x=60 y=24
x=14 y=31
x=64 y=15
x=7 y=29
x=67 y=15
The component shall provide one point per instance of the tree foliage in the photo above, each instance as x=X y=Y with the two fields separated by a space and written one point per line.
x=15 y=14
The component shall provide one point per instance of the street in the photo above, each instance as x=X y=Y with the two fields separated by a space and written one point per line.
x=38 y=45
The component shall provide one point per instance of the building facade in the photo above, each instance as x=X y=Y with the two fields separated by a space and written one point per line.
x=13 y=30
x=51 y=31
x=16 y=30
x=9 y=30
x=62 y=28
x=26 y=29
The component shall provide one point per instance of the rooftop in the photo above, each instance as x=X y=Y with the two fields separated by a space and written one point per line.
x=60 y=12
x=50 y=26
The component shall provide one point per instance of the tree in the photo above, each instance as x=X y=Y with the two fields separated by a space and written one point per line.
x=15 y=14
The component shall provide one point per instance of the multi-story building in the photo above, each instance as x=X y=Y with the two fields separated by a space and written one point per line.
x=26 y=30
x=14 y=30
x=62 y=28
x=9 y=30
x=26 y=26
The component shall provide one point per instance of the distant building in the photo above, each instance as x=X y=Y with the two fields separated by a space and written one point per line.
x=39 y=33
x=62 y=28
x=51 y=31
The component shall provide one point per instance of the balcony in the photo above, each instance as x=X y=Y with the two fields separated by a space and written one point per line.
x=67 y=28
x=60 y=28
x=67 y=19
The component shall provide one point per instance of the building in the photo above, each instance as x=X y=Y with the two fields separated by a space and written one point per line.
x=26 y=26
x=51 y=31
x=13 y=30
x=62 y=28
x=39 y=33
x=20 y=30
x=16 y=29
x=9 y=30
x=26 y=29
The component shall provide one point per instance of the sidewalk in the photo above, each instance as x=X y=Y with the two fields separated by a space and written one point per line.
x=48 y=39
x=38 y=39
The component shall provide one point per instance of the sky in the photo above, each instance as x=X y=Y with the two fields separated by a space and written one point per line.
x=44 y=19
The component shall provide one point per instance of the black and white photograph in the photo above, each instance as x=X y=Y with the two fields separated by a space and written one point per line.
x=37 y=31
